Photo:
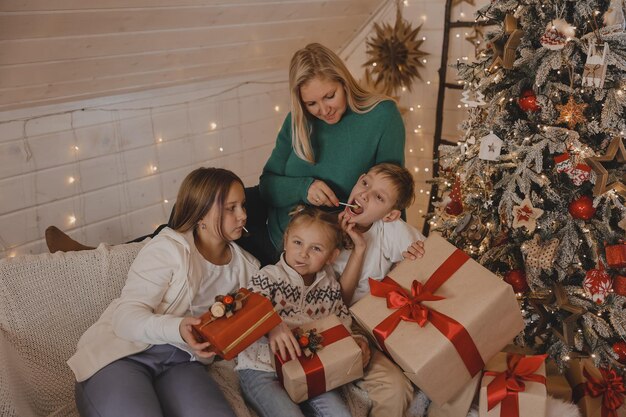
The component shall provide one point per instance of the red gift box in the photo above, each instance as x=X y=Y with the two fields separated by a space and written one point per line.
x=513 y=385
x=440 y=318
x=616 y=255
x=619 y=285
x=230 y=335
x=338 y=362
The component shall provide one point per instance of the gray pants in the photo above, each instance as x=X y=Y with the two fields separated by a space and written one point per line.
x=160 y=382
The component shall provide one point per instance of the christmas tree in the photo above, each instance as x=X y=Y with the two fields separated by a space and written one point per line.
x=535 y=189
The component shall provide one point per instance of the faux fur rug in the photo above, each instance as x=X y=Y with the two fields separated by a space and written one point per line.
x=555 y=408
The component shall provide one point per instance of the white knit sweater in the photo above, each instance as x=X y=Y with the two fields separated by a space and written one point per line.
x=296 y=303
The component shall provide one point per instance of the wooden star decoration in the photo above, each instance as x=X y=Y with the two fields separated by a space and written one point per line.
x=525 y=215
x=505 y=45
x=540 y=254
x=395 y=54
x=570 y=314
x=615 y=154
x=571 y=113
x=476 y=38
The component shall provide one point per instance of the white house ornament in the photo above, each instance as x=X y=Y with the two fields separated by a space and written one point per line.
x=594 y=71
x=525 y=215
x=558 y=32
x=490 y=147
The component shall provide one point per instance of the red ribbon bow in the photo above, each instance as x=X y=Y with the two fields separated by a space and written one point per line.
x=507 y=384
x=611 y=387
x=409 y=307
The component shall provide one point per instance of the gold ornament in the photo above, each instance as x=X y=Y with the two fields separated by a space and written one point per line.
x=540 y=254
x=571 y=113
x=615 y=152
x=395 y=54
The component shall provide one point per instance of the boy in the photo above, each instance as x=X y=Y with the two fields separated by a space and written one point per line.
x=377 y=200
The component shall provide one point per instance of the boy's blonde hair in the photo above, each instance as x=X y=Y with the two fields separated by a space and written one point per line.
x=200 y=189
x=402 y=181
x=315 y=60
x=303 y=214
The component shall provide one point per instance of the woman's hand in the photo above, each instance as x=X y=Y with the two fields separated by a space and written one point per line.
x=365 y=349
x=282 y=339
x=199 y=348
x=414 y=251
x=320 y=194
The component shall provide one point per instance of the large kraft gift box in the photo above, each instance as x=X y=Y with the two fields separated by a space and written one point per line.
x=597 y=392
x=230 y=335
x=468 y=315
x=513 y=385
x=338 y=362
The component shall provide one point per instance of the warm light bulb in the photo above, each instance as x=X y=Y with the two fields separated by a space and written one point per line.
x=411 y=109
x=374 y=64
x=213 y=125
x=75 y=147
x=166 y=201
x=71 y=180
x=160 y=140
x=277 y=108
x=221 y=149
x=71 y=219
x=153 y=168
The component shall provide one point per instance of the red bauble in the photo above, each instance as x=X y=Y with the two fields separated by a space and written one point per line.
x=597 y=284
x=516 y=278
x=620 y=349
x=228 y=299
x=619 y=285
x=582 y=208
x=616 y=255
x=528 y=101
x=303 y=341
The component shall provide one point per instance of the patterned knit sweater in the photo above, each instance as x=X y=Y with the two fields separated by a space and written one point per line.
x=296 y=303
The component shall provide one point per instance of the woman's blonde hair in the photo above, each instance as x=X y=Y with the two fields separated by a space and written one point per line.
x=200 y=189
x=315 y=60
x=312 y=215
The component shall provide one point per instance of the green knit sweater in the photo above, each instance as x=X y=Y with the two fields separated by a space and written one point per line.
x=343 y=152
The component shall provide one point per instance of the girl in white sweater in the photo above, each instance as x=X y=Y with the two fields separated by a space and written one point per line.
x=140 y=358
x=303 y=287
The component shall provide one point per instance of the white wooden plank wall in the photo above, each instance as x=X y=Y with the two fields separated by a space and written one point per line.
x=112 y=175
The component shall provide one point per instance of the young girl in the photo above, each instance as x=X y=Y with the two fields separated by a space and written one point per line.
x=140 y=358
x=303 y=287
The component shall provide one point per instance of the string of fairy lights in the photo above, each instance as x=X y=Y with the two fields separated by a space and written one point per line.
x=418 y=126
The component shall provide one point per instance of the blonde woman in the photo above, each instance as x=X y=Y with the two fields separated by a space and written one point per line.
x=336 y=131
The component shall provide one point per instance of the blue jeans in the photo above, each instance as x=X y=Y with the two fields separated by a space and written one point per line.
x=160 y=381
x=268 y=397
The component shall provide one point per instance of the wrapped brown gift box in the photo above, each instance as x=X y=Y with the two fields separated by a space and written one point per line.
x=589 y=405
x=476 y=299
x=531 y=402
x=336 y=364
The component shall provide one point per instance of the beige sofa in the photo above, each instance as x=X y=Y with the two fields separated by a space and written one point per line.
x=46 y=302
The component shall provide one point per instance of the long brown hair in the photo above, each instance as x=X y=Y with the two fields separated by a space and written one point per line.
x=315 y=60
x=200 y=189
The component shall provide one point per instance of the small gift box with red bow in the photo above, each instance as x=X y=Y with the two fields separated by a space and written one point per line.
x=440 y=318
x=330 y=359
x=597 y=392
x=235 y=321
x=513 y=385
